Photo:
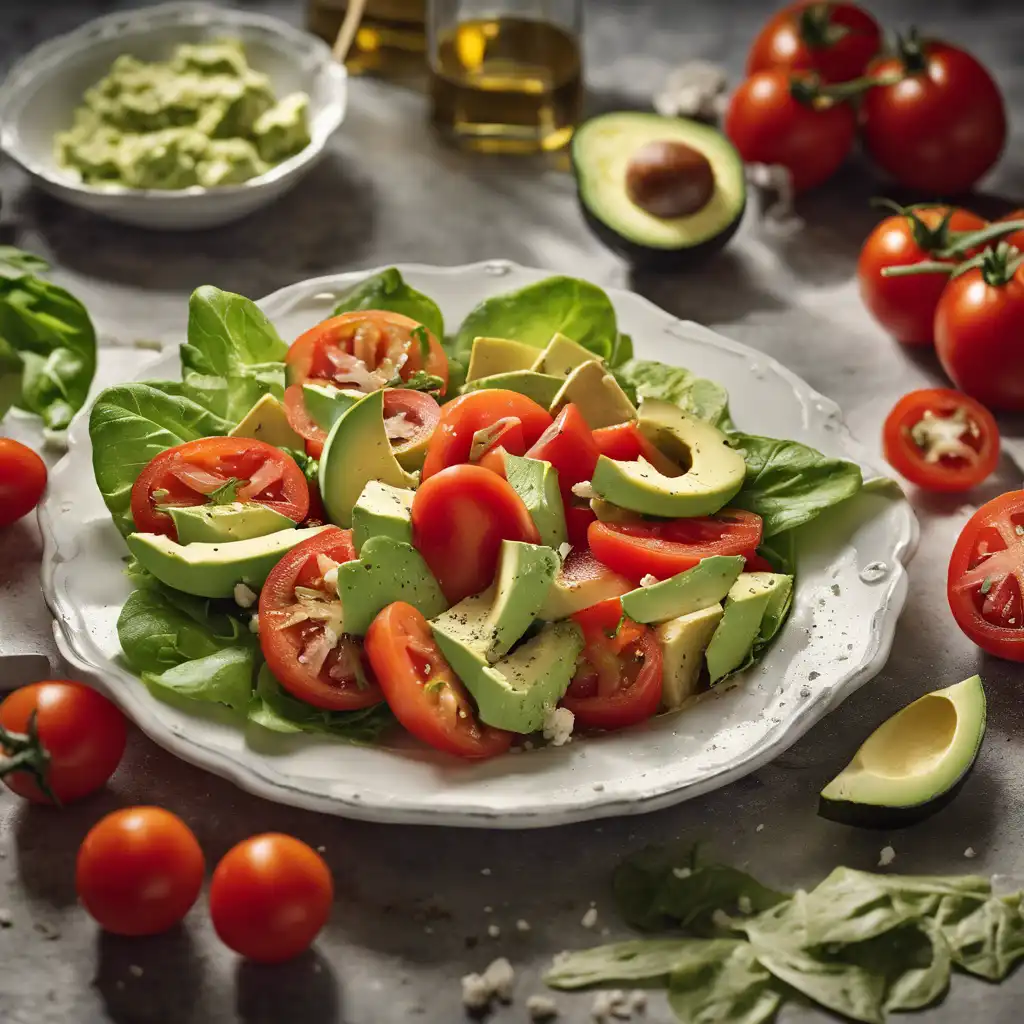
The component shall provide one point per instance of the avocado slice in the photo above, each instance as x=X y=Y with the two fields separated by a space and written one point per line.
x=536 y=482
x=386 y=571
x=914 y=763
x=541 y=387
x=714 y=472
x=561 y=356
x=357 y=450
x=581 y=582
x=606 y=512
x=628 y=163
x=325 y=403
x=267 y=421
x=491 y=356
x=236 y=520
x=213 y=570
x=683 y=642
x=597 y=394
x=382 y=510
x=705 y=584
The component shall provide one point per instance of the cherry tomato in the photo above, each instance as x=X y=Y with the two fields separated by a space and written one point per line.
x=269 y=897
x=979 y=324
x=568 y=444
x=190 y=473
x=22 y=480
x=78 y=743
x=941 y=126
x=986 y=577
x=905 y=306
x=768 y=124
x=837 y=40
x=365 y=349
x=460 y=516
x=301 y=634
x=625 y=442
x=139 y=871
x=421 y=688
x=461 y=418
x=941 y=440
x=1017 y=238
x=663 y=549
x=619 y=679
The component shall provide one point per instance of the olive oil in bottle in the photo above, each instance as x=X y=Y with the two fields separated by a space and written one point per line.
x=391 y=41
x=507 y=84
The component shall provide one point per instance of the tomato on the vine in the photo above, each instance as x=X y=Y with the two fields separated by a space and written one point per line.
x=1017 y=238
x=836 y=40
x=985 y=582
x=905 y=306
x=22 y=480
x=941 y=123
x=941 y=440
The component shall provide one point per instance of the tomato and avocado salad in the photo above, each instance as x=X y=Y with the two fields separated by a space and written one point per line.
x=480 y=537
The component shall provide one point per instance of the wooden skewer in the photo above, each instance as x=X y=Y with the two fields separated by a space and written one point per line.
x=349 y=27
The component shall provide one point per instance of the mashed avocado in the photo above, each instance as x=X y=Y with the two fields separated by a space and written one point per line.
x=202 y=118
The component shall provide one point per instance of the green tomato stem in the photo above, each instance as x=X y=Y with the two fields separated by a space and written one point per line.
x=964 y=240
x=924 y=267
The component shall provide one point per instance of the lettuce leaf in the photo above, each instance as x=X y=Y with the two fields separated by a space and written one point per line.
x=647 y=378
x=388 y=290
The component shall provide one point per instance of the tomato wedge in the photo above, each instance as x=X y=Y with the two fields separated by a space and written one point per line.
x=663 y=549
x=302 y=423
x=301 y=629
x=421 y=688
x=196 y=473
x=461 y=418
x=619 y=679
x=365 y=349
x=941 y=440
x=985 y=582
x=568 y=444
x=459 y=519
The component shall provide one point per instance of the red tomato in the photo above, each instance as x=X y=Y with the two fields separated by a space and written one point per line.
x=1017 y=238
x=577 y=522
x=978 y=330
x=941 y=440
x=421 y=688
x=618 y=682
x=269 y=897
x=837 y=40
x=365 y=349
x=986 y=577
x=301 y=635
x=625 y=442
x=905 y=306
x=189 y=473
x=460 y=516
x=302 y=423
x=139 y=871
x=78 y=742
x=666 y=548
x=569 y=446
x=769 y=125
x=22 y=480
x=463 y=417
x=941 y=126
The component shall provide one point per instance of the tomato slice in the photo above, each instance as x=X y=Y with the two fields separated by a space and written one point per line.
x=302 y=423
x=665 y=548
x=301 y=629
x=625 y=442
x=190 y=473
x=460 y=516
x=461 y=418
x=421 y=688
x=985 y=582
x=619 y=679
x=365 y=349
x=941 y=440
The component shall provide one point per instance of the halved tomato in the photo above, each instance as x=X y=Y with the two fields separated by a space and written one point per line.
x=217 y=468
x=663 y=549
x=301 y=630
x=421 y=688
x=365 y=349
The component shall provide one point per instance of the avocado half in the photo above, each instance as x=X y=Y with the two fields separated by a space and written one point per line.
x=602 y=151
x=913 y=764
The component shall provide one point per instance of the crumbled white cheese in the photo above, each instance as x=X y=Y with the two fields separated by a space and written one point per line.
x=245 y=597
x=501 y=976
x=485 y=871
x=970 y=853
x=5 y=918
x=648 y=580
x=135 y=970
x=695 y=89
x=585 y=490
x=589 y=918
x=493 y=930
x=558 y=723
x=886 y=856
x=682 y=872
x=541 y=1008
x=638 y=1000
x=476 y=993
x=254 y=624
x=746 y=907
x=720 y=919
x=760 y=828
x=611 y=1005
x=522 y=925
x=331 y=578
x=563 y=550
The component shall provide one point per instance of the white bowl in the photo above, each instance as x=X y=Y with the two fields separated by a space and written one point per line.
x=39 y=97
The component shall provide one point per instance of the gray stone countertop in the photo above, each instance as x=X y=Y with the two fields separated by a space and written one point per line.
x=414 y=905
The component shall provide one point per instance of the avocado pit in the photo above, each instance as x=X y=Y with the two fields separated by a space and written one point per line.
x=669 y=179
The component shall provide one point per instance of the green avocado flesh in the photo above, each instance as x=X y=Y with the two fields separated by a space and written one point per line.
x=913 y=763
x=536 y=482
x=382 y=511
x=234 y=521
x=705 y=584
x=601 y=151
x=541 y=387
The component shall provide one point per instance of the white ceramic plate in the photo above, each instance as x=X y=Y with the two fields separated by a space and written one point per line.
x=837 y=638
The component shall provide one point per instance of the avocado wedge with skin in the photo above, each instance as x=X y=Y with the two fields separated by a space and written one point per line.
x=913 y=764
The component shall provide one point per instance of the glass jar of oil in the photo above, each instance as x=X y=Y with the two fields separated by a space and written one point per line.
x=391 y=41
x=506 y=76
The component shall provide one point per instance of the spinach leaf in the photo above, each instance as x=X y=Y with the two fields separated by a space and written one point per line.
x=129 y=425
x=788 y=483
x=622 y=350
x=388 y=290
x=646 y=378
x=636 y=961
x=22 y=262
x=533 y=314
x=11 y=367
x=725 y=984
x=232 y=397
x=985 y=938
x=273 y=708
x=224 y=677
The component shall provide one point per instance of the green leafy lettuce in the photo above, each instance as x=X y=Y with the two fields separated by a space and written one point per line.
x=702 y=398
x=388 y=290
